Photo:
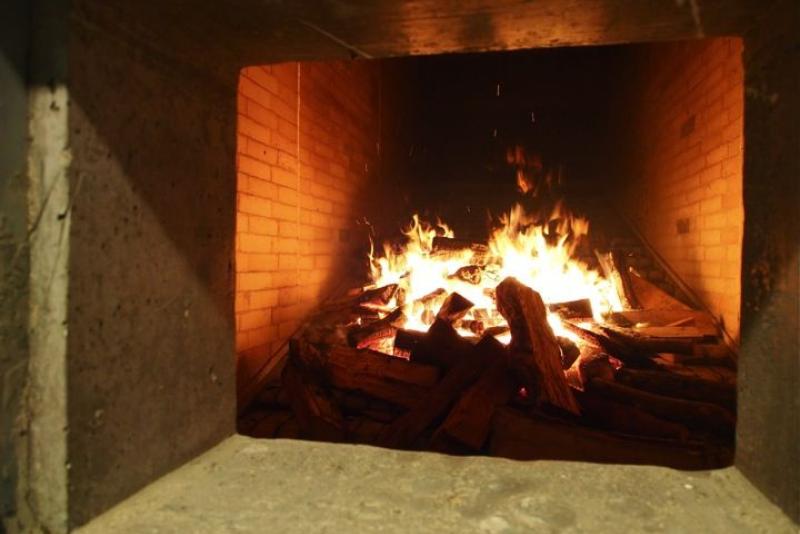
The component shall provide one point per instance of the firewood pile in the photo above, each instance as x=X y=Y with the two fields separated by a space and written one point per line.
x=653 y=384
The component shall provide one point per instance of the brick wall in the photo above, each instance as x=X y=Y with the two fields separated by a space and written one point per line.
x=684 y=190
x=306 y=143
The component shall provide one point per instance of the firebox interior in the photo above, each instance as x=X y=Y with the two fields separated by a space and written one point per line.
x=640 y=143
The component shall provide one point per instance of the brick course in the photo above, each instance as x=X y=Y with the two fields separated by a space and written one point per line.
x=301 y=159
x=688 y=166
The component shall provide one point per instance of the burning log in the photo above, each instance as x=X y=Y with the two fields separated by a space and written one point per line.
x=493 y=331
x=652 y=297
x=406 y=340
x=569 y=351
x=454 y=308
x=470 y=419
x=693 y=414
x=682 y=387
x=470 y=274
x=441 y=346
x=539 y=438
x=591 y=364
x=573 y=309
x=405 y=430
x=473 y=325
x=451 y=244
x=380 y=296
x=535 y=354
x=384 y=377
x=368 y=334
x=594 y=336
x=318 y=417
x=614 y=270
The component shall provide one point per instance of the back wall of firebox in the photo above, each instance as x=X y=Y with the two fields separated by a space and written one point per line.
x=649 y=132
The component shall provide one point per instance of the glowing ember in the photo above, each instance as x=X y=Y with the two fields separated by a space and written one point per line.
x=540 y=256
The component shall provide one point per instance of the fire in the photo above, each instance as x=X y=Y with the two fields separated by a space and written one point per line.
x=538 y=255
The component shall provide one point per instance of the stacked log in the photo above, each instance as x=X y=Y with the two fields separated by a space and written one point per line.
x=614 y=391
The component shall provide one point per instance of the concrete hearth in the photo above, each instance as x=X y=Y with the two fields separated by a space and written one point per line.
x=246 y=485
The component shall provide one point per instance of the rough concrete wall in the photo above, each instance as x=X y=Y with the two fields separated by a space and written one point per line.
x=685 y=189
x=768 y=429
x=14 y=40
x=303 y=159
x=42 y=490
x=150 y=307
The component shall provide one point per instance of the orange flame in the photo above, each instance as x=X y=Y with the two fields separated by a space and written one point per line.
x=540 y=256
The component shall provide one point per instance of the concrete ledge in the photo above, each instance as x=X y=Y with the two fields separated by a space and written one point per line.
x=249 y=485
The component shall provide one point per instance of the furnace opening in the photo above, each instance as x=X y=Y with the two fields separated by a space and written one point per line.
x=531 y=254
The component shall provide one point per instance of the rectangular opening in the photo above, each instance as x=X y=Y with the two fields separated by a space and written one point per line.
x=605 y=180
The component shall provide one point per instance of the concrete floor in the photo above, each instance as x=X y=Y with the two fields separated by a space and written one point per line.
x=249 y=485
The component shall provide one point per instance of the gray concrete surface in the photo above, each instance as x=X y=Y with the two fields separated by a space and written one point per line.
x=249 y=485
x=150 y=311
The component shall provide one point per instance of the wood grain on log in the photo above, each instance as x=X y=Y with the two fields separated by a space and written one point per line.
x=441 y=346
x=318 y=417
x=538 y=438
x=404 y=431
x=385 y=377
x=702 y=416
x=682 y=387
x=454 y=308
x=469 y=421
x=535 y=353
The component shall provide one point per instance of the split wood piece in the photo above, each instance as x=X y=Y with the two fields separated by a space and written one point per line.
x=366 y=335
x=317 y=416
x=406 y=340
x=569 y=351
x=405 y=430
x=613 y=268
x=441 y=346
x=380 y=296
x=593 y=335
x=496 y=330
x=652 y=297
x=573 y=309
x=714 y=373
x=470 y=274
x=452 y=244
x=591 y=364
x=702 y=416
x=308 y=357
x=692 y=333
x=639 y=341
x=535 y=353
x=682 y=387
x=454 y=308
x=470 y=419
x=384 y=377
x=667 y=317
x=473 y=325
x=718 y=351
x=538 y=438
x=620 y=417
x=431 y=298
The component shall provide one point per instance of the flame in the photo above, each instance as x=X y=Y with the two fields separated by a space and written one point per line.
x=539 y=254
